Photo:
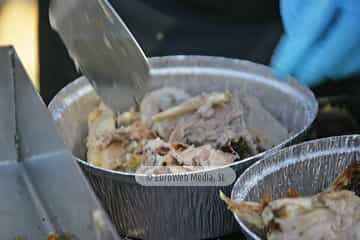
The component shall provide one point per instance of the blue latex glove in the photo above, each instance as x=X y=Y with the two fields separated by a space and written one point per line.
x=322 y=40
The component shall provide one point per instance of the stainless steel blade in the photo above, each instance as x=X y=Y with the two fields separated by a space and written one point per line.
x=103 y=48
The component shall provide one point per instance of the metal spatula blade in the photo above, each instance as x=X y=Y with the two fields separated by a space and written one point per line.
x=103 y=48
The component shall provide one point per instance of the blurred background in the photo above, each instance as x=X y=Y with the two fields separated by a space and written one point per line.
x=19 y=26
x=248 y=29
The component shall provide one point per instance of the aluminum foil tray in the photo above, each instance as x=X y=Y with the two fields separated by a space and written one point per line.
x=307 y=168
x=188 y=212
x=42 y=190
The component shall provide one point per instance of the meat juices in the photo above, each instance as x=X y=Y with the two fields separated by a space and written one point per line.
x=211 y=128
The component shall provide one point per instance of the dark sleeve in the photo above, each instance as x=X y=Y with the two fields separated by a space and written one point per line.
x=56 y=67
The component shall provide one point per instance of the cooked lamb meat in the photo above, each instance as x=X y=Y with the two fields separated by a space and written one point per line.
x=115 y=148
x=127 y=118
x=194 y=104
x=135 y=132
x=160 y=100
x=100 y=120
x=160 y=153
x=211 y=119
x=333 y=214
x=174 y=132
x=221 y=126
x=204 y=156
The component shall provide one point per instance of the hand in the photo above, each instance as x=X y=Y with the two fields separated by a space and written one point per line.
x=322 y=40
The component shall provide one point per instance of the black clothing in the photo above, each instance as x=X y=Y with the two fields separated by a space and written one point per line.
x=230 y=28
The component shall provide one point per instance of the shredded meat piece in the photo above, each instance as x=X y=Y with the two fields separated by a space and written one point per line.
x=206 y=119
x=205 y=156
x=183 y=155
x=127 y=118
x=160 y=100
x=135 y=132
x=193 y=132
x=193 y=105
x=115 y=148
x=218 y=127
x=332 y=214
x=250 y=211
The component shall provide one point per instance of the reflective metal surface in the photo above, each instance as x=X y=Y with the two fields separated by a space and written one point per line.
x=7 y=106
x=307 y=168
x=42 y=189
x=103 y=48
x=180 y=212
